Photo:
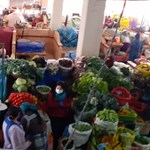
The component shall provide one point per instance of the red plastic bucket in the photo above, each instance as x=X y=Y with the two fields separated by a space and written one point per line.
x=122 y=95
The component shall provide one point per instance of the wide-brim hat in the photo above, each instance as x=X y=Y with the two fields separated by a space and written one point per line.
x=125 y=30
x=108 y=38
x=3 y=106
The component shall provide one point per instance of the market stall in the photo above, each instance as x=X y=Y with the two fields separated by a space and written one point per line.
x=110 y=102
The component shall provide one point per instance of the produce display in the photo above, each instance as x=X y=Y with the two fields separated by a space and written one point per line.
x=52 y=66
x=83 y=85
x=127 y=115
x=107 y=115
x=43 y=89
x=22 y=68
x=16 y=99
x=65 y=63
x=22 y=85
x=127 y=111
x=114 y=93
x=82 y=127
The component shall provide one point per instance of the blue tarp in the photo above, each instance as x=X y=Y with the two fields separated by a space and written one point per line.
x=24 y=45
x=68 y=37
x=3 y=86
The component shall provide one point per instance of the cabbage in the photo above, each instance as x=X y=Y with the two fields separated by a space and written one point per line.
x=15 y=86
x=22 y=88
x=21 y=81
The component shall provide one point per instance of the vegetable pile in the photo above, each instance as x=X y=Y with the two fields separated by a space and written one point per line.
x=22 y=68
x=65 y=63
x=22 y=85
x=43 y=89
x=52 y=66
x=16 y=99
x=107 y=115
x=82 y=127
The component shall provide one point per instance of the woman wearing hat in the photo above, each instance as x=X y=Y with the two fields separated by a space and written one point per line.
x=125 y=39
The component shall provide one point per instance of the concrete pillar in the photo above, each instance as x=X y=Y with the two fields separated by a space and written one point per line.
x=91 y=28
x=56 y=20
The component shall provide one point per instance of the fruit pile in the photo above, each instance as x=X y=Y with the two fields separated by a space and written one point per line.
x=16 y=99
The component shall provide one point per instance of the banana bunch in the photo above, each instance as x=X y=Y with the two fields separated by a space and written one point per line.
x=107 y=115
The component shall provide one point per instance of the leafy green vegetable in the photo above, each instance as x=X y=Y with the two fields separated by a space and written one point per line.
x=15 y=86
x=89 y=80
x=94 y=64
x=82 y=127
x=21 y=67
x=114 y=79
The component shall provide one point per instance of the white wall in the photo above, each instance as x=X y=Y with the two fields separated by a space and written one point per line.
x=72 y=6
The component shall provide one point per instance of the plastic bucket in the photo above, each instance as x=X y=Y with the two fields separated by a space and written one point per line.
x=66 y=72
x=122 y=95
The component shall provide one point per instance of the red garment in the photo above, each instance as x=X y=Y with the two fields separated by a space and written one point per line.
x=53 y=108
x=6 y=38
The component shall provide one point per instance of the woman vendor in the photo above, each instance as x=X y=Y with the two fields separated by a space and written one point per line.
x=58 y=107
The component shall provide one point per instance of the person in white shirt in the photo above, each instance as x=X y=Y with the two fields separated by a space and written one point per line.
x=14 y=135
